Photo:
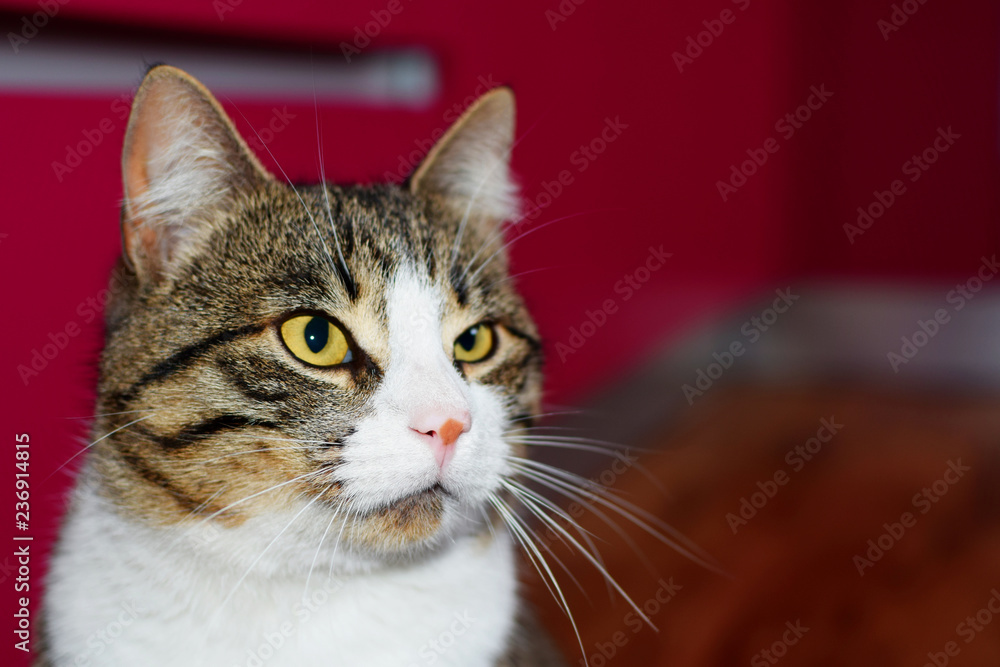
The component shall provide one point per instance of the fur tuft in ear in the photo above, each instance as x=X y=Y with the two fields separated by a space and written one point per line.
x=469 y=168
x=183 y=163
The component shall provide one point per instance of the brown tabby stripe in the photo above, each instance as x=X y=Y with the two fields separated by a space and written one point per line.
x=234 y=373
x=531 y=340
x=185 y=357
x=140 y=465
x=204 y=429
x=458 y=284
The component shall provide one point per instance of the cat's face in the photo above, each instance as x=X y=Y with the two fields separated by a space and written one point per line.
x=345 y=358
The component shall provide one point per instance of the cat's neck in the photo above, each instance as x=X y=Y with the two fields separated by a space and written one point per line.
x=388 y=615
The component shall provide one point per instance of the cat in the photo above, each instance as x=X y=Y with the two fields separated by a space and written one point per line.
x=307 y=412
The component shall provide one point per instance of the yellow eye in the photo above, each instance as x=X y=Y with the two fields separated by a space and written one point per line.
x=475 y=343
x=316 y=340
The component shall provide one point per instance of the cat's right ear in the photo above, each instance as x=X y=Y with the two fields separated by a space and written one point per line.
x=182 y=166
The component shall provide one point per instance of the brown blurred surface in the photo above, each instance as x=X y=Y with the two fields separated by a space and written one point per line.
x=794 y=560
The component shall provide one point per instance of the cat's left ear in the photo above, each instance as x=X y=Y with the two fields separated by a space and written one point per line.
x=183 y=165
x=469 y=167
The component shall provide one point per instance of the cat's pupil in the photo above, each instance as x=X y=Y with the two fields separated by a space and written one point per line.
x=317 y=333
x=468 y=339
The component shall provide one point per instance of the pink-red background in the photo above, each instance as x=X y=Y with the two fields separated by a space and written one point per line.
x=655 y=185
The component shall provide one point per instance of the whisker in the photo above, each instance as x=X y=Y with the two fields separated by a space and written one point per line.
x=513 y=523
x=333 y=515
x=249 y=451
x=208 y=500
x=106 y=435
x=468 y=208
x=112 y=414
x=322 y=176
x=629 y=511
x=291 y=185
x=603 y=516
x=472 y=277
x=336 y=547
x=245 y=499
x=239 y=582
x=609 y=449
x=542 y=415
x=527 y=501
x=582 y=447
x=522 y=273
x=584 y=534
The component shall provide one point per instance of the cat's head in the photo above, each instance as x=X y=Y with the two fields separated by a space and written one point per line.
x=352 y=357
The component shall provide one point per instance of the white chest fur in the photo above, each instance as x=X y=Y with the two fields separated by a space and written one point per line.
x=117 y=597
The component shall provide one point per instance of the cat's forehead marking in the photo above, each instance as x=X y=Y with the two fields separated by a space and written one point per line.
x=413 y=305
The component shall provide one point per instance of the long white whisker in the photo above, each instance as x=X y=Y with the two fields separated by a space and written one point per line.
x=333 y=515
x=336 y=547
x=112 y=414
x=629 y=511
x=603 y=516
x=512 y=522
x=248 y=451
x=239 y=582
x=508 y=244
x=322 y=176
x=292 y=186
x=527 y=501
x=106 y=435
x=521 y=273
x=468 y=209
x=250 y=497
x=584 y=534
x=607 y=451
x=610 y=449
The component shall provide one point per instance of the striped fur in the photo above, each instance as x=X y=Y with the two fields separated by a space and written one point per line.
x=226 y=477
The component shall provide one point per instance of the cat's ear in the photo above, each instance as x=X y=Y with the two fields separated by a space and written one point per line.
x=183 y=163
x=469 y=167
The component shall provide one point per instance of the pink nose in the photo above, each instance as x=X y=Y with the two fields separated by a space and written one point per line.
x=440 y=429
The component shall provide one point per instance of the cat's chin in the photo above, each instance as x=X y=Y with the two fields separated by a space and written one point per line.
x=402 y=524
x=413 y=523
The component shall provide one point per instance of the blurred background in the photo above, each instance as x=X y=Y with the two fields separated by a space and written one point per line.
x=760 y=242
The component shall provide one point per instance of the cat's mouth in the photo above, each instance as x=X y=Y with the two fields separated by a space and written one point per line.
x=407 y=520
x=429 y=499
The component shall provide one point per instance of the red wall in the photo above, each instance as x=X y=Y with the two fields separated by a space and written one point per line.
x=656 y=184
